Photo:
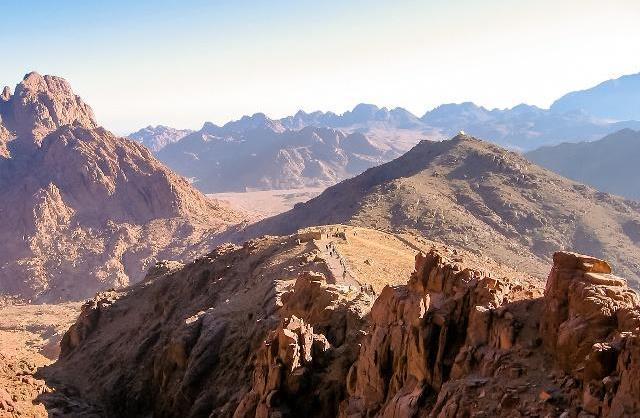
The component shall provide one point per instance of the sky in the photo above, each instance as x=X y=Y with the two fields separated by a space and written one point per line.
x=181 y=63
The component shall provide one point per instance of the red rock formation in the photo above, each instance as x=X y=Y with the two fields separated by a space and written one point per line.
x=590 y=320
x=82 y=209
x=463 y=337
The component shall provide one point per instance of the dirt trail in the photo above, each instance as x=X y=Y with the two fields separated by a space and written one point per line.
x=336 y=262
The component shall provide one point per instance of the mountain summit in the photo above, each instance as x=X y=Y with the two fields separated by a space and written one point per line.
x=40 y=105
x=82 y=209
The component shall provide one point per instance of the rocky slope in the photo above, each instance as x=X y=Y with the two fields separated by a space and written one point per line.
x=474 y=195
x=157 y=137
x=617 y=99
x=81 y=209
x=268 y=329
x=613 y=171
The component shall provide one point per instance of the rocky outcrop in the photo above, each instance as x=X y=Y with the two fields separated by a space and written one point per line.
x=302 y=365
x=454 y=342
x=283 y=365
x=464 y=336
x=590 y=323
x=447 y=323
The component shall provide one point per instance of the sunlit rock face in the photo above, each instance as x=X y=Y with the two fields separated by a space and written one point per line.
x=82 y=209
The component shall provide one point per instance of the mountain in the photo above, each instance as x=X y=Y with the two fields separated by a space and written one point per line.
x=314 y=149
x=474 y=195
x=157 y=137
x=617 y=99
x=257 y=153
x=331 y=322
x=614 y=170
x=81 y=209
x=522 y=127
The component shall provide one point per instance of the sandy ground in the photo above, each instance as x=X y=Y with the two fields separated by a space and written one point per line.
x=29 y=340
x=267 y=203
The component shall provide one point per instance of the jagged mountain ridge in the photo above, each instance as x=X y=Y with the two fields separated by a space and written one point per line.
x=157 y=137
x=392 y=132
x=614 y=171
x=474 y=195
x=82 y=209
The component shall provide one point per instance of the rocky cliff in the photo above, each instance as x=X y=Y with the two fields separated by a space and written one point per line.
x=462 y=336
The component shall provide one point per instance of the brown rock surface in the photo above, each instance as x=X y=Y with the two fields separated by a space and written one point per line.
x=236 y=297
x=82 y=209
x=42 y=104
x=465 y=336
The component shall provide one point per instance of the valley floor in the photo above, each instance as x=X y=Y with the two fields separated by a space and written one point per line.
x=266 y=203
x=29 y=340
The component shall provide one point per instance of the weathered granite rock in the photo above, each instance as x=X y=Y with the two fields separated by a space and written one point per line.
x=464 y=337
x=84 y=210
x=42 y=104
x=588 y=316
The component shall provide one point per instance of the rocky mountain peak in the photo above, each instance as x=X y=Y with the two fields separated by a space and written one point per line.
x=83 y=209
x=256 y=121
x=157 y=137
x=42 y=104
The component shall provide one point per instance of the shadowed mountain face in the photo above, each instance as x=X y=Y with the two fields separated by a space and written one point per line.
x=157 y=137
x=609 y=164
x=475 y=195
x=617 y=99
x=83 y=210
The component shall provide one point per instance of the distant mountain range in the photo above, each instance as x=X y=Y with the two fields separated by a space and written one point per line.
x=609 y=164
x=319 y=148
x=157 y=137
x=617 y=99
x=269 y=157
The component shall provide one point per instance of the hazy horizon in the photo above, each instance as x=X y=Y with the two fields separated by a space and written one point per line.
x=181 y=64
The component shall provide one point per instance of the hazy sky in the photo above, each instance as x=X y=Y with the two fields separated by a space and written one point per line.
x=184 y=62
